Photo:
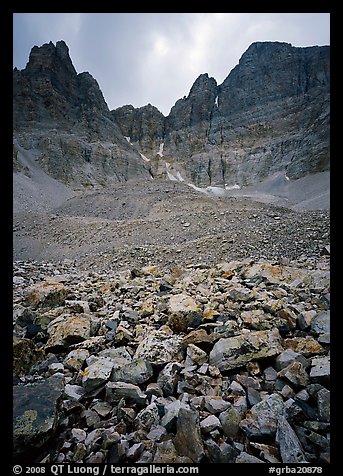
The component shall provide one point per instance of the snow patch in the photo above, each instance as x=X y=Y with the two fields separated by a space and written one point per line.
x=232 y=187
x=286 y=177
x=128 y=139
x=198 y=189
x=216 y=101
x=144 y=158
x=160 y=152
x=217 y=191
x=170 y=175
x=179 y=177
x=175 y=178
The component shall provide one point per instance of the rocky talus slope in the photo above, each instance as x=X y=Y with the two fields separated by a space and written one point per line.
x=227 y=363
x=161 y=313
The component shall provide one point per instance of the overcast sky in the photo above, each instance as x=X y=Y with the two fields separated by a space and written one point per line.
x=141 y=58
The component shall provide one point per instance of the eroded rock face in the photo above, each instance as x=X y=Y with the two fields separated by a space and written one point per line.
x=271 y=114
x=62 y=118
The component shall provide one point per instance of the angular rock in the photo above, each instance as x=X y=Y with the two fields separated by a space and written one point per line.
x=323 y=404
x=115 y=391
x=159 y=348
x=236 y=351
x=267 y=452
x=287 y=357
x=25 y=355
x=247 y=458
x=303 y=345
x=119 y=355
x=169 y=377
x=290 y=448
x=296 y=374
x=67 y=330
x=216 y=404
x=148 y=416
x=305 y=318
x=240 y=293
x=102 y=408
x=320 y=370
x=196 y=337
x=182 y=303
x=137 y=372
x=97 y=374
x=188 y=441
x=135 y=451
x=46 y=294
x=253 y=396
x=230 y=420
x=166 y=453
x=35 y=415
x=156 y=432
x=263 y=417
x=171 y=412
x=76 y=358
x=77 y=306
x=74 y=391
x=219 y=453
x=153 y=389
x=209 y=423
x=195 y=355
x=321 y=323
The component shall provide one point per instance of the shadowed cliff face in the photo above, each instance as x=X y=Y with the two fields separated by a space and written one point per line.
x=62 y=118
x=270 y=114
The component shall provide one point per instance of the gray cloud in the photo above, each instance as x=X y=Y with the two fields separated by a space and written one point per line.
x=140 y=58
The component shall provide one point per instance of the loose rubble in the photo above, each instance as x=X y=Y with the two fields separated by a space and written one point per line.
x=226 y=363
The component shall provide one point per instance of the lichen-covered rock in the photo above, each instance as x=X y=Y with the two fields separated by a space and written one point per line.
x=263 y=417
x=320 y=324
x=167 y=454
x=247 y=458
x=230 y=420
x=169 y=377
x=184 y=312
x=97 y=374
x=137 y=371
x=68 y=329
x=236 y=351
x=188 y=441
x=117 y=390
x=159 y=348
x=76 y=358
x=303 y=345
x=25 y=355
x=46 y=294
x=35 y=414
x=290 y=448
x=296 y=374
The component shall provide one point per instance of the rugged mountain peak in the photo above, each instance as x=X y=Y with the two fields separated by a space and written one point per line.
x=49 y=57
x=270 y=115
x=275 y=70
x=63 y=118
x=143 y=125
x=203 y=84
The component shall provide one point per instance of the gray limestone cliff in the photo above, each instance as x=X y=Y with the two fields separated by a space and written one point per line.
x=271 y=114
x=63 y=119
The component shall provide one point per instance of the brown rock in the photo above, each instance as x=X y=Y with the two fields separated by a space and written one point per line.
x=25 y=354
x=304 y=345
x=46 y=294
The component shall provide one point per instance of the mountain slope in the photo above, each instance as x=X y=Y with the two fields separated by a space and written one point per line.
x=270 y=115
